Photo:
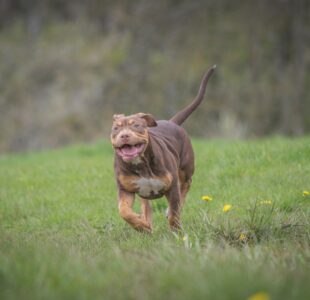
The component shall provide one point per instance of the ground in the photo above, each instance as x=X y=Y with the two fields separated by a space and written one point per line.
x=61 y=236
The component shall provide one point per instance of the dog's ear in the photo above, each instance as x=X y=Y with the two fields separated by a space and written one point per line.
x=150 y=120
x=115 y=117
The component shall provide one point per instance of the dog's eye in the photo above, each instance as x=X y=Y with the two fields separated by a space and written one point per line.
x=115 y=128
x=136 y=125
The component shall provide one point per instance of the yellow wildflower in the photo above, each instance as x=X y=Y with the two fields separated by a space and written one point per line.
x=305 y=193
x=206 y=198
x=242 y=237
x=227 y=207
x=266 y=202
x=184 y=238
x=259 y=296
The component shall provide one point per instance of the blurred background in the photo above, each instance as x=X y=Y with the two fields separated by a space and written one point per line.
x=67 y=66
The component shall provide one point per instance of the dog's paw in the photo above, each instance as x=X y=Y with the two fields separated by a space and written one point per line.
x=174 y=224
x=143 y=226
x=144 y=229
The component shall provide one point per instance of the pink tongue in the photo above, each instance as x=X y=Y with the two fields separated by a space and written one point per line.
x=129 y=150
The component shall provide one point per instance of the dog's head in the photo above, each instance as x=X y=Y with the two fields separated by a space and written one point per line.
x=129 y=135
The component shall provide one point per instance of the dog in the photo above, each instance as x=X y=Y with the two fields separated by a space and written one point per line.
x=153 y=159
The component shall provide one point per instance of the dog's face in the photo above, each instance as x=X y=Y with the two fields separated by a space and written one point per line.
x=129 y=135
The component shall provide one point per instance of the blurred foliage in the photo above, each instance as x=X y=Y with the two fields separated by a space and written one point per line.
x=67 y=66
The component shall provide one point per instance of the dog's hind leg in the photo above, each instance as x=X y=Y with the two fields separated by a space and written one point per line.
x=174 y=208
x=125 y=204
x=185 y=183
x=184 y=189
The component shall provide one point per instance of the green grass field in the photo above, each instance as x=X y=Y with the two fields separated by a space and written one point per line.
x=61 y=236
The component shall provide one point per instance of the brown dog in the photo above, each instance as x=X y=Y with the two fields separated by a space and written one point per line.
x=153 y=159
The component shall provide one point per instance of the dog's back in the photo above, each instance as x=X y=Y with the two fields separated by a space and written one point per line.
x=177 y=141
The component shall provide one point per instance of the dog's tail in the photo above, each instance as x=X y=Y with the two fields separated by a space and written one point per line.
x=182 y=115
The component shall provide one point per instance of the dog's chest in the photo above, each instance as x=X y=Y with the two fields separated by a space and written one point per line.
x=150 y=186
x=146 y=187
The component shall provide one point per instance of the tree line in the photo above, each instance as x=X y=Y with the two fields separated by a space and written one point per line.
x=67 y=66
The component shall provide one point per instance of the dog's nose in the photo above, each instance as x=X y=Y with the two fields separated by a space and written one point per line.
x=125 y=136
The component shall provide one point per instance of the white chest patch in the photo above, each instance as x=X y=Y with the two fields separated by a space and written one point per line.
x=148 y=185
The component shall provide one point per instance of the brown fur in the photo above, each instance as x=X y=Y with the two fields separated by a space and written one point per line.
x=129 y=184
x=162 y=165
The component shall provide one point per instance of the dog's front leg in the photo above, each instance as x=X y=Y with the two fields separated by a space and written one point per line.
x=146 y=211
x=125 y=204
x=174 y=209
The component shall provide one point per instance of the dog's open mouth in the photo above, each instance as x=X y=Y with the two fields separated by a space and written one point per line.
x=129 y=152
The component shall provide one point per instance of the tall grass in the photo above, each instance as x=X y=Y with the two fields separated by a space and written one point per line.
x=61 y=236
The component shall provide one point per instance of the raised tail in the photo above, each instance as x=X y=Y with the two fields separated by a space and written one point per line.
x=182 y=115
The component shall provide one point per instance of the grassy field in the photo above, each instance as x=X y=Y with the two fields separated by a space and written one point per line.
x=61 y=236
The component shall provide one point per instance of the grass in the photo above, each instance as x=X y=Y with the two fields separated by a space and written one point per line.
x=61 y=236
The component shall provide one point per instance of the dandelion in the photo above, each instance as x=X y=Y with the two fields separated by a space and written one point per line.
x=227 y=207
x=260 y=296
x=206 y=198
x=184 y=238
x=266 y=202
x=305 y=193
x=242 y=237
